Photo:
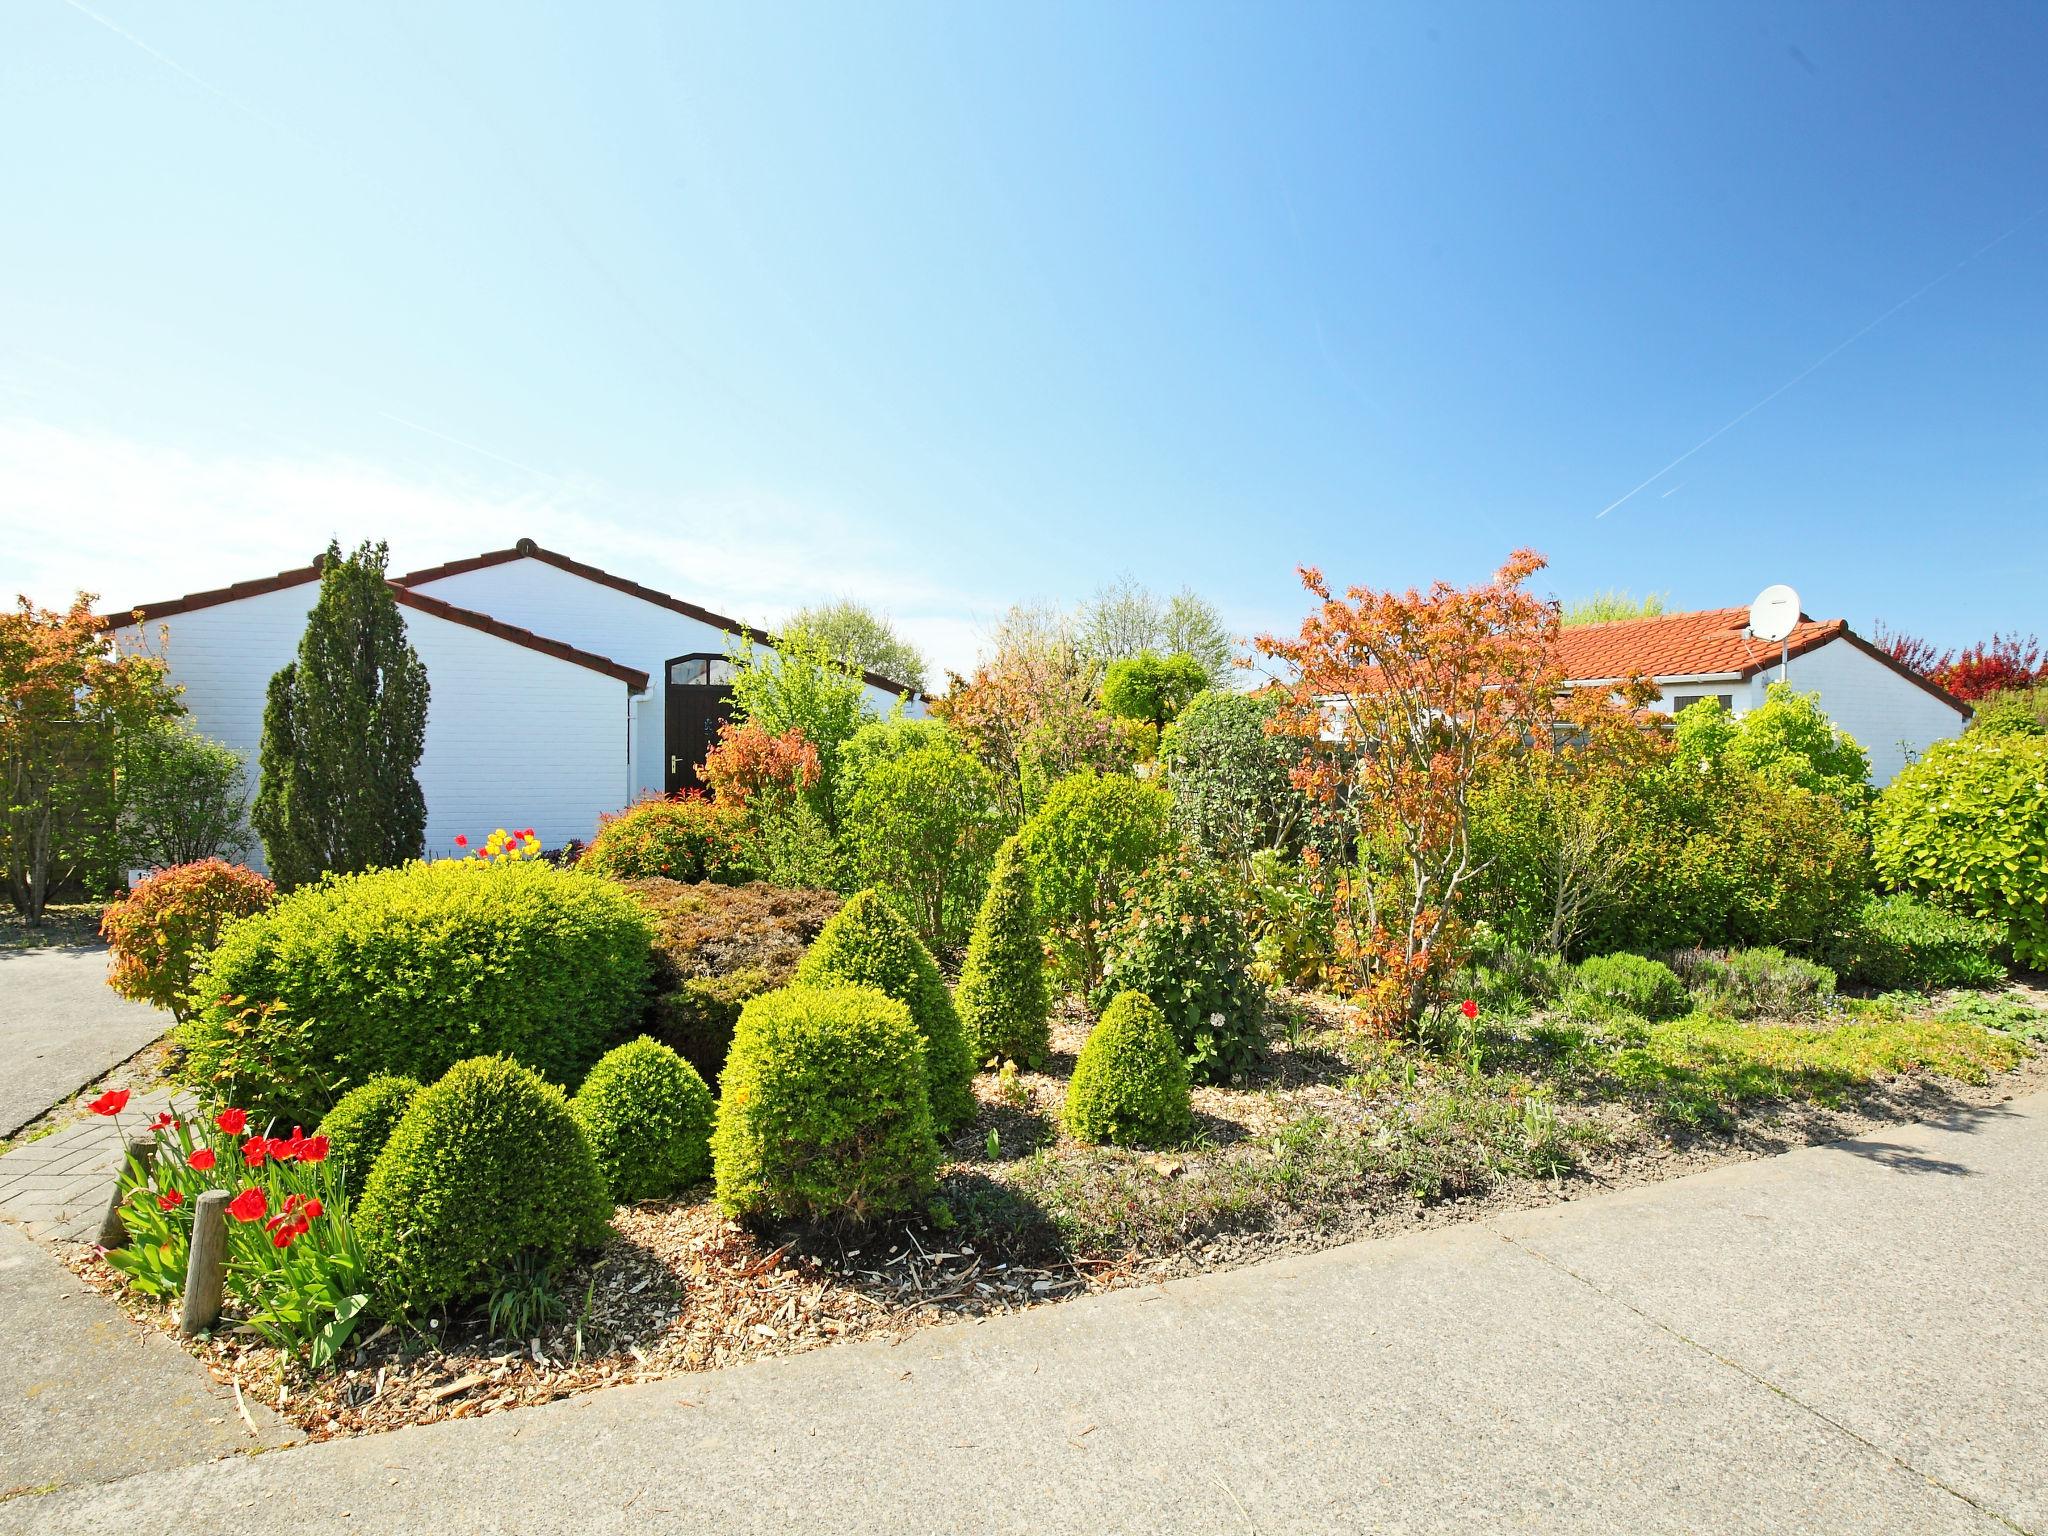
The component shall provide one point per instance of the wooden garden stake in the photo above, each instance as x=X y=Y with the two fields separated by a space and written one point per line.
x=114 y=1231
x=201 y=1308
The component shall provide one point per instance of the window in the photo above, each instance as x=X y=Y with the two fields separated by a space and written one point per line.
x=1684 y=701
x=700 y=672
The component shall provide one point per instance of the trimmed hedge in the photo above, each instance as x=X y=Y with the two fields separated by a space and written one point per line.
x=822 y=1111
x=410 y=970
x=870 y=945
x=359 y=1126
x=688 y=838
x=1647 y=988
x=1130 y=1085
x=1002 y=995
x=716 y=946
x=486 y=1166
x=648 y=1116
x=1183 y=943
x=1899 y=942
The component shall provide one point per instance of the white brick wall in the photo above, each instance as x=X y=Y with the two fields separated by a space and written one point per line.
x=514 y=738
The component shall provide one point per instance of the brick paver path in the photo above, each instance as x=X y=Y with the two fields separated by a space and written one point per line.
x=58 y=1187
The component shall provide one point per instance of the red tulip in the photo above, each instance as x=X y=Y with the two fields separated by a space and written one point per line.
x=461 y=841
x=203 y=1159
x=254 y=1150
x=110 y=1103
x=249 y=1205
x=232 y=1122
x=170 y=1199
x=163 y=1122
x=314 y=1151
x=1469 y=1008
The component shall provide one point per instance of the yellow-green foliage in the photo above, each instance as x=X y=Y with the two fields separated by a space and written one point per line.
x=648 y=1115
x=868 y=944
x=361 y=1123
x=1002 y=997
x=1084 y=844
x=822 y=1110
x=1130 y=1086
x=486 y=1166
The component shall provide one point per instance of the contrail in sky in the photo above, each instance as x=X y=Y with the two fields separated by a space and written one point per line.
x=1825 y=357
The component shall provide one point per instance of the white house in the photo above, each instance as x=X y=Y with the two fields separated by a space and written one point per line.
x=1894 y=713
x=558 y=691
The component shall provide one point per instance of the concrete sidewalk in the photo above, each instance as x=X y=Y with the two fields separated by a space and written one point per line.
x=1846 y=1339
x=61 y=1026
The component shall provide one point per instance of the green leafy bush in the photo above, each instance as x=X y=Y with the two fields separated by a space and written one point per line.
x=687 y=838
x=883 y=741
x=1967 y=826
x=2012 y=712
x=410 y=970
x=485 y=1166
x=1233 y=794
x=1130 y=1085
x=1151 y=687
x=869 y=945
x=716 y=946
x=1897 y=942
x=648 y=1116
x=1757 y=983
x=923 y=826
x=1182 y=944
x=1083 y=845
x=1642 y=986
x=822 y=1111
x=359 y=1126
x=1788 y=739
x=182 y=798
x=1002 y=996
x=163 y=931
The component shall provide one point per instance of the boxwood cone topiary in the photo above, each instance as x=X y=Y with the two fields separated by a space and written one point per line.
x=486 y=1165
x=822 y=1110
x=868 y=944
x=1002 y=997
x=1130 y=1086
x=648 y=1115
x=361 y=1122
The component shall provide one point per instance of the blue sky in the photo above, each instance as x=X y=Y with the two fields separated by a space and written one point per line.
x=949 y=306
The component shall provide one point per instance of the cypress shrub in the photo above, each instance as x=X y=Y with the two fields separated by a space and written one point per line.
x=1002 y=996
x=486 y=1166
x=1130 y=1086
x=868 y=944
x=648 y=1116
x=360 y=1125
x=822 y=1110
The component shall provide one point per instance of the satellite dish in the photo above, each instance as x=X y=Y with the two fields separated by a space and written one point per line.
x=1774 y=612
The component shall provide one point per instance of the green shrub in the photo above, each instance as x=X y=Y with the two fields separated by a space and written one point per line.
x=486 y=1166
x=648 y=1116
x=1152 y=688
x=1002 y=996
x=1642 y=986
x=410 y=970
x=716 y=946
x=2012 y=712
x=164 y=930
x=1967 y=826
x=360 y=1125
x=1898 y=942
x=1182 y=944
x=688 y=838
x=1757 y=983
x=1130 y=1085
x=883 y=741
x=1084 y=844
x=869 y=945
x=1233 y=794
x=181 y=798
x=822 y=1111
x=923 y=827
x=1788 y=739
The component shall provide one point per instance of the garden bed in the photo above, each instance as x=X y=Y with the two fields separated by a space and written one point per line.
x=1339 y=1137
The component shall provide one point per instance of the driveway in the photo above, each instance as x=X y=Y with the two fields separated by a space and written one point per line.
x=1845 y=1339
x=61 y=1026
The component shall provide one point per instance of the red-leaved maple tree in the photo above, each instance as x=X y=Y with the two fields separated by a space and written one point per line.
x=1403 y=701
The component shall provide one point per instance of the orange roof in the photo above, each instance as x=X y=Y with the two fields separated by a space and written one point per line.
x=1714 y=642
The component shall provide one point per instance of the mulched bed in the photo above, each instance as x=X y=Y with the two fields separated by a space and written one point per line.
x=680 y=1289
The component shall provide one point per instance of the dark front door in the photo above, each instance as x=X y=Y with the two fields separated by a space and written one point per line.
x=698 y=704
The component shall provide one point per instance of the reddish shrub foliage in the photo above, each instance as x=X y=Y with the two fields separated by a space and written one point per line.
x=163 y=930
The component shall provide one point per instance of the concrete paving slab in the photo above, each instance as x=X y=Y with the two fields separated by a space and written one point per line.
x=61 y=1026
x=1893 y=1283
x=85 y=1396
